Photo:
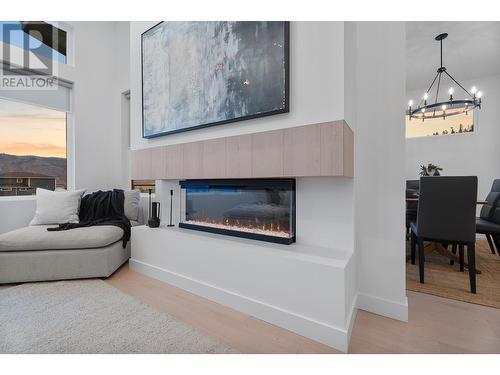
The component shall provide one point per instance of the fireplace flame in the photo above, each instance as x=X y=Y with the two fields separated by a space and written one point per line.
x=252 y=226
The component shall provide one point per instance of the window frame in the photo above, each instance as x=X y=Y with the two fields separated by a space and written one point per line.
x=70 y=41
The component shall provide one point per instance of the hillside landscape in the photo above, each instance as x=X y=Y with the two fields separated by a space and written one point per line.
x=49 y=166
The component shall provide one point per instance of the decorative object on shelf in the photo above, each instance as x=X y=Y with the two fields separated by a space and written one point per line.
x=449 y=106
x=149 y=204
x=153 y=213
x=154 y=220
x=199 y=74
x=171 y=224
x=430 y=170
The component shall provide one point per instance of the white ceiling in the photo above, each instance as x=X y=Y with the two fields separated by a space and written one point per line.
x=471 y=50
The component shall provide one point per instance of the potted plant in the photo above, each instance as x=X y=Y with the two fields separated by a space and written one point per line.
x=430 y=170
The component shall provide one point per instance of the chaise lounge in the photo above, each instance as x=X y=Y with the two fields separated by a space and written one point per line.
x=35 y=254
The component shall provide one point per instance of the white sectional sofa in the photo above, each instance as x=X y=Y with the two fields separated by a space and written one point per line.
x=35 y=254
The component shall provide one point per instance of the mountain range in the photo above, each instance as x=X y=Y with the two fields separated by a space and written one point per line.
x=50 y=166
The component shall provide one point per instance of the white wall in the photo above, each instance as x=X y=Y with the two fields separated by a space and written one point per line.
x=324 y=212
x=379 y=76
x=316 y=95
x=476 y=154
x=122 y=80
x=316 y=85
x=324 y=205
x=99 y=76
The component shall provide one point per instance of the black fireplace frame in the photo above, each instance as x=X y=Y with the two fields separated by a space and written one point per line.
x=242 y=183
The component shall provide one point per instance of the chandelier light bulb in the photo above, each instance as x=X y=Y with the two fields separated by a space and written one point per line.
x=450 y=91
x=426 y=96
x=410 y=103
x=443 y=107
x=422 y=109
x=479 y=94
x=473 y=90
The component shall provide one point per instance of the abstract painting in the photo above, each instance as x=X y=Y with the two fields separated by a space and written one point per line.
x=199 y=74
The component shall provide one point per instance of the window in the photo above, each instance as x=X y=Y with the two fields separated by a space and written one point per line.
x=32 y=148
x=44 y=38
x=457 y=124
x=33 y=118
x=143 y=185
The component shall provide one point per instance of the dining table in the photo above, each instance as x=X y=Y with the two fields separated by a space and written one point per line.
x=439 y=247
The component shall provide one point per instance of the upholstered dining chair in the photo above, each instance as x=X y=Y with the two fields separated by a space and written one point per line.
x=412 y=187
x=447 y=214
x=488 y=222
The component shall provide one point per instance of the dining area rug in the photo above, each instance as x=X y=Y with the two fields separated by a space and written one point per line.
x=444 y=280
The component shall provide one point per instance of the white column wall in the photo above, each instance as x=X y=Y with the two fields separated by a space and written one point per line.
x=379 y=167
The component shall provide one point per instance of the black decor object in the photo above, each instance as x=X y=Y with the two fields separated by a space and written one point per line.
x=154 y=220
x=259 y=209
x=412 y=189
x=212 y=73
x=149 y=204
x=171 y=196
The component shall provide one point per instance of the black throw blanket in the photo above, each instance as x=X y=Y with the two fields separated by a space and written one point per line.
x=101 y=208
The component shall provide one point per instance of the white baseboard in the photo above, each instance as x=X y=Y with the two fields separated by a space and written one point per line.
x=384 y=307
x=352 y=316
x=335 y=337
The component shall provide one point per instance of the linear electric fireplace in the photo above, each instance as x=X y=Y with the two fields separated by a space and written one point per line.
x=260 y=209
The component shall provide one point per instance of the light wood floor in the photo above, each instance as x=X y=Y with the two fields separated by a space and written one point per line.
x=436 y=325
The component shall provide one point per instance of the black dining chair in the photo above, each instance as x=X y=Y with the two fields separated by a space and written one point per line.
x=488 y=222
x=412 y=188
x=447 y=214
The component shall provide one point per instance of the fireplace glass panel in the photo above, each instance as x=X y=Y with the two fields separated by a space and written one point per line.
x=258 y=209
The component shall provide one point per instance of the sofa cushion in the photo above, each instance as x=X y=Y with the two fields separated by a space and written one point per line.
x=57 y=207
x=39 y=238
x=131 y=205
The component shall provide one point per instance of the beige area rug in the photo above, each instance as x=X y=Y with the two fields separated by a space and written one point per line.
x=90 y=316
x=447 y=281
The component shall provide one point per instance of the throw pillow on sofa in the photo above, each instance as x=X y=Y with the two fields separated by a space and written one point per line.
x=131 y=204
x=57 y=207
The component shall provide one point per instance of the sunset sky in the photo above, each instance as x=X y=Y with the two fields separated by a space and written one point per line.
x=417 y=128
x=31 y=130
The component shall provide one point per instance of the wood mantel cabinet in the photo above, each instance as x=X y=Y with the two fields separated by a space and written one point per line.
x=325 y=149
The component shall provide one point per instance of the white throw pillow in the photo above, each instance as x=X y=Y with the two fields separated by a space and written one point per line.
x=57 y=207
x=131 y=204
